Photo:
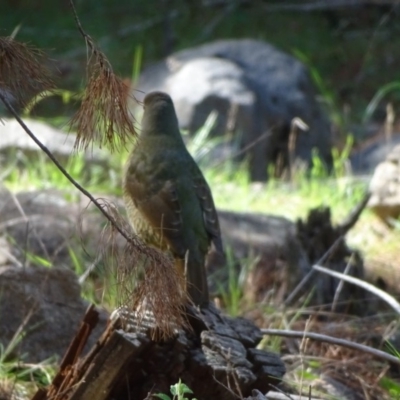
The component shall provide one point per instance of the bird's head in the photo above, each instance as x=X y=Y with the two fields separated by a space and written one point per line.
x=159 y=115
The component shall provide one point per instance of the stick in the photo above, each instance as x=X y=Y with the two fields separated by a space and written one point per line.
x=333 y=340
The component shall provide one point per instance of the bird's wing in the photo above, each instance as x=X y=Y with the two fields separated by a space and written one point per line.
x=162 y=210
x=210 y=216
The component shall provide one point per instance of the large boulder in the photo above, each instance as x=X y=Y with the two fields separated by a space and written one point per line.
x=44 y=305
x=257 y=91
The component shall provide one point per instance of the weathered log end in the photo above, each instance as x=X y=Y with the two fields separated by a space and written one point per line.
x=216 y=359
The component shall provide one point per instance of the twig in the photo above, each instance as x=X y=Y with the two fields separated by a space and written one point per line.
x=260 y=138
x=88 y=39
x=310 y=274
x=27 y=221
x=365 y=285
x=132 y=240
x=332 y=340
x=60 y=167
x=351 y=220
x=219 y=17
x=339 y=287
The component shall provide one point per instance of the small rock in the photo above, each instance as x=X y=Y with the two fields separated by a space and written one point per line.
x=385 y=187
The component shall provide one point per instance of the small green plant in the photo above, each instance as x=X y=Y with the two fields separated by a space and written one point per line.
x=391 y=386
x=318 y=170
x=200 y=145
x=387 y=383
x=232 y=293
x=21 y=378
x=137 y=63
x=178 y=391
x=341 y=158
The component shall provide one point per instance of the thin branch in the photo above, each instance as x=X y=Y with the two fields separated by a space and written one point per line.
x=352 y=219
x=60 y=167
x=311 y=273
x=104 y=112
x=326 y=5
x=365 y=285
x=339 y=287
x=133 y=240
x=333 y=340
x=88 y=39
x=260 y=138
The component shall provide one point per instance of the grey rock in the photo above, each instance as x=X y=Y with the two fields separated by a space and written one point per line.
x=385 y=187
x=39 y=223
x=365 y=160
x=257 y=90
x=46 y=306
x=219 y=84
x=279 y=261
x=335 y=389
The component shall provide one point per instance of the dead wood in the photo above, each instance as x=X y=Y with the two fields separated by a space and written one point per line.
x=216 y=358
x=324 y=242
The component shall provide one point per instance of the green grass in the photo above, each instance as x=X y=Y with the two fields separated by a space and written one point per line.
x=36 y=171
x=291 y=200
x=178 y=391
x=19 y=378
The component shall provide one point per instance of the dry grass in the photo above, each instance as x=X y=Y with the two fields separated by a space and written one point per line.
x=103 y=117
x=22 y=70
x=146 y=278
x=315 y=364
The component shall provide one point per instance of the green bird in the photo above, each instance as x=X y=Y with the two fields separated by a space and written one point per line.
x=168 y=201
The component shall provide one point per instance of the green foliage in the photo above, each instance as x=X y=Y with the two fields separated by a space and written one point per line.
x=178 y=391
x=22 y=377
x=329 y=95
x=37 y=260
x=201 y=144
x=392 y=386
x=318 y=170
x=341 y=158
x=36 y=171
x=137 y=63
x=233 y=293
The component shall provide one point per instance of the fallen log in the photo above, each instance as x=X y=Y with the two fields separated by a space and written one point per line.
x=216 y=357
